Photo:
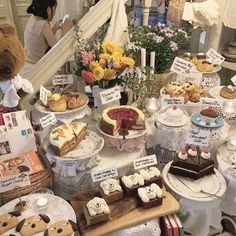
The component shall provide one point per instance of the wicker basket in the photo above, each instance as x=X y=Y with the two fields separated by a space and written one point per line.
x=42 y=179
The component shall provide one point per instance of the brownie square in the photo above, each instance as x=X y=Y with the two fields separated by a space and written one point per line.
x=156 y=180
x=112 y=197
x=153 y=203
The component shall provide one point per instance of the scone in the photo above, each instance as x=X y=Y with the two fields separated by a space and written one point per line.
x=76 y=102
x=205 y=66
x=57 y=102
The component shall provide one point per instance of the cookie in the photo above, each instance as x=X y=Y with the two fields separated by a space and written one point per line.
x=33 y=225
x=188 y=86
x=61 y=228
x=8 y=221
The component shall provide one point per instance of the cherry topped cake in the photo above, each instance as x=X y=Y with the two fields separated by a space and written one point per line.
x=116 y=119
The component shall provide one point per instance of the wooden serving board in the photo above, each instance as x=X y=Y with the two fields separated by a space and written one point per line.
x=124 y=213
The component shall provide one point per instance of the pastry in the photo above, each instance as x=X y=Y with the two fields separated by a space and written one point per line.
x=150 y=196
x=62 y=228
x=75 y=102
x=205 y=66
x=208 y=116
x=113 y=118
x=151 y=175
x=8 y=221
x=228 y=92
x=174 y=114
x=66 y=137
x=57 y=102
x=96 y=210
x=33 y=225
x=111 y=190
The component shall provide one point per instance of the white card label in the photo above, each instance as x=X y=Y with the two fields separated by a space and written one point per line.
x=198 y=137
x=44 y=95
x=104 y=174
x=172 y=101
x=181 y=66
x=233 y=79
x=145 y=162
x=48 y=120
x=62 y=79
x=215 y=56
x=211 y=102
x=110 y=95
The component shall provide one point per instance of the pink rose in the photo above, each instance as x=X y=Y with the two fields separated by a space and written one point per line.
x=87 y=76
x=87 y=57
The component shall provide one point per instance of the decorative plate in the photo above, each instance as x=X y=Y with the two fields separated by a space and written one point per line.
x=40 y=107
x=211 y=185
x=161 y=118
x=215 y=70
x=88 y=147
x=196 y=120
x=132 y=133
x=215 y=93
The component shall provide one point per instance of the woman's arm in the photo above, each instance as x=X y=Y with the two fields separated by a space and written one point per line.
x=49 y=35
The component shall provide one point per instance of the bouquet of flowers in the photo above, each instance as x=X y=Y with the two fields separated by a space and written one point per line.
x=162 y=40
x=100 y=64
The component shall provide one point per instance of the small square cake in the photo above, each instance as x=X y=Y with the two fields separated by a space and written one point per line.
x=150 y=196
x=151 y=175
x=111 y=190
x=96 y=211
x=131 y=183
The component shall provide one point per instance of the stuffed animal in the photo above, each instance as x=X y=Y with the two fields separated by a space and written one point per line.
x=12 y=59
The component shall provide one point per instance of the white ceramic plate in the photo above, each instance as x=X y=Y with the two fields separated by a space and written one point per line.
x=188 y=188
x=132 y=133
x=215 y=93
x=57 y=210
x=161 y=118
x=215 y=70
x=88 y=147
x=39 y=106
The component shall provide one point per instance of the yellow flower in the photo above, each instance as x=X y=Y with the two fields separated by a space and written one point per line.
x=109 y=74
x=116 y=64
x=119 y=50
x=109 y=46
x=116 y=56
x=93 y=65
x=102 y=62
x=127 y=61
x=105 y=56
x=98 y=73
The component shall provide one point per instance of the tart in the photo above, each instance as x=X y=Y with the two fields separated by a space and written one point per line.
x=75 y=102
x=228 y=92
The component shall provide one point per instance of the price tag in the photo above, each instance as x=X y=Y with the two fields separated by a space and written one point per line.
x=104 y=174
x=172 y=101
x=181 y=66
x=215 y=56
x=62 y=79
x=145 y=162
x=211 y=102
x=233 y=79
x=44 y=94
x=48 y=120
x=110 y=95
x=198 y=137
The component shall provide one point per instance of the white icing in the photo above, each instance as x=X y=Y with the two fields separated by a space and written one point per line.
x=150 y=192
x=149 y=173
x=192 y=152
x=110 y=185
x=174 y=115
x=131 y=180
x=41 y=201
x=232 y=88
x=183 y=156
x=192 y=171
x=205 y=155
x=97 y=206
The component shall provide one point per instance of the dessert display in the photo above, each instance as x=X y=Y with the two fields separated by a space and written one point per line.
x=230 y=52
x=208 y=116
x=111 y=190
x=62 y=228
x=120 y=118
x=197 y=164
x=96 y=210
x=66 y=137
x=188 y=90
x=8 y=221
x=228 y=92
x=151 y=175
x=131 y=183
x=150 y=196
x=174 y=114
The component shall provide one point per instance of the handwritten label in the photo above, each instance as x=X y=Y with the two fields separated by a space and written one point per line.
x=198 y=137
x=211 y=102
x=48 y=120
x=181 y=66
x=44 y=95
x=62 y=79
x=215 y=56
x=145 y=162
x=104 y=174
x=14 y=181
x=110 y=95
x=172 y=101
x=233 y=79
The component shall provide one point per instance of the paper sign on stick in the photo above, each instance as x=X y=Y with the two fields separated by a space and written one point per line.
x=110 y=95
x=44 y=95
x=48 y=120
x=198 y=137
x=104 y=174
x=172 y=101
x=62 y=79
x=181 y=66
x=145 y=162
x=215 y=56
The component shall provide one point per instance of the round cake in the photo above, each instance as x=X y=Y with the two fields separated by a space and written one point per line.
x=174 y=114
x=117 y=118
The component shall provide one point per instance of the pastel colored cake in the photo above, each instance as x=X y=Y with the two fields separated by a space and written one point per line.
x=66 y=137
x=193 y=167
x=116 y=118
x=174 y=114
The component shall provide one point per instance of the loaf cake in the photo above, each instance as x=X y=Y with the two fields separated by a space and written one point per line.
x=193 y=163
x=118 y=118
x=66 y=137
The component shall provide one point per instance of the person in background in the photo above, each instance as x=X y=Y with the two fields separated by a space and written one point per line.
x=39 y=35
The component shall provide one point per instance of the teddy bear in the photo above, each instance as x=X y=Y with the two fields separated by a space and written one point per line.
x=97 y=206
x=12 y=58
x=150 y=192
x=131 y=180
x=149 y=173
x=110 y=185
